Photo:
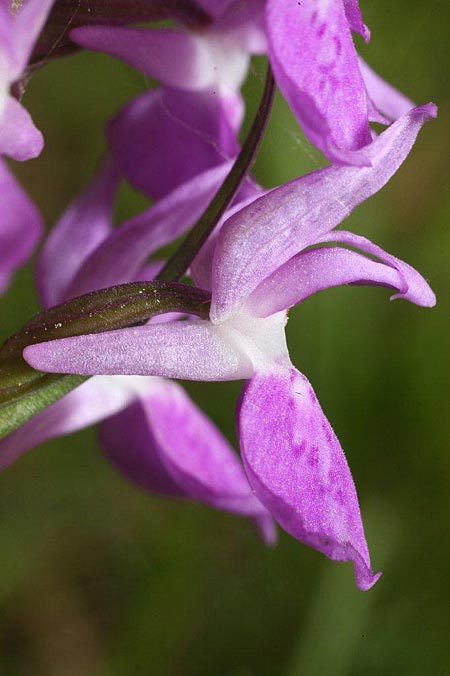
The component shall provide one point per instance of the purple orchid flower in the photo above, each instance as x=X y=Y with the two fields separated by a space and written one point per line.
x=269 y=257
x=191 y=123
x=151 y=431
x=20 y=222
x=332 y=92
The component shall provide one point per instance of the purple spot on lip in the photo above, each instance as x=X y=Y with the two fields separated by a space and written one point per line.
x=313 y=456
x=299 y=449
x=339 y=496
x=314 y=16
x=321 y=30
x=312 y=396
x=338 y=45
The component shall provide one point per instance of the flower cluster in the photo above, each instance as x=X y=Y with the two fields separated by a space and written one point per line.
x=267 y=251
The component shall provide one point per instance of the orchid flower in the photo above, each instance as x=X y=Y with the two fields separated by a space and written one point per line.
x=20 y=222
x=332 y=92
x=191 y=123
x=269 y=257
x=151 y=431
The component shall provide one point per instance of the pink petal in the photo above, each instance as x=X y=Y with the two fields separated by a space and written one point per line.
x=122 y=256
x=298 y=470
x=80 y=230
x=166 y=444
x=318 y=269
x=27 y=24
x=386 y=99
x=185 y=134
x=86 y=405
x=191 y=350
x=19 y=138
x=267 y=233
x=412 y=287
x=316 y=67
x=20 y=226
x=175 y=58
x=216 y=8
x=355 y=20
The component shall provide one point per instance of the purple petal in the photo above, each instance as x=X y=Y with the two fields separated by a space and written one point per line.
x=216 y=8
x=386 y=99
x=79 y=231
x=88 y=404
x=20 y=226
x=175 y=58
x=412 y=286
x=298 y=470
x=267 y=233
x=202 y=266
x=166 y=55
x=123 y=255
x=19 y=138
x=316 y=67
x=192 y=350
x=185 y=134
x=318 y=269
x=355 y=20
x=245 y=23
x=27 y=25
x=166 y=444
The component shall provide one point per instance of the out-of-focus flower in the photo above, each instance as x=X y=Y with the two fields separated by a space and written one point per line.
x=20 y=222
x=264 y=264
x=152 y=432
x=171 y=134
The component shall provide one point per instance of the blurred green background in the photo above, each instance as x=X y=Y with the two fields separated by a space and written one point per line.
x=99 y=579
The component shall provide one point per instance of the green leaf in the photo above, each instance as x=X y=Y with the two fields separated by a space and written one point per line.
x=25 y=392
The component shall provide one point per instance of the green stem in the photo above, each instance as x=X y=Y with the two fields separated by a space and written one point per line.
x=180 y=261
x=25 y=392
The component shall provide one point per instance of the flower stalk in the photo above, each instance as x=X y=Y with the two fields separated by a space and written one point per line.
x=180 y=261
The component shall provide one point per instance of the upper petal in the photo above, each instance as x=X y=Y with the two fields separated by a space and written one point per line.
x=172 y=57
x=264 y=235
x=185 y=134
x=20 y=226
x=27 y=24
x=318 y=269
x=298 y=470
x=19 y=138
x=82 y=227
x=192 y=350
x=316 y=67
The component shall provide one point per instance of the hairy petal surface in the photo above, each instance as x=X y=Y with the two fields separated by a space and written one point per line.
x=185 y=134
x=19 y=138
x=86 y=405
x=80 y=230
x=261 y=237
x=298 y=470
x=316 y=67
x=20 y=226
x=192 y=350
x=164 y=443
x=318 y=269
